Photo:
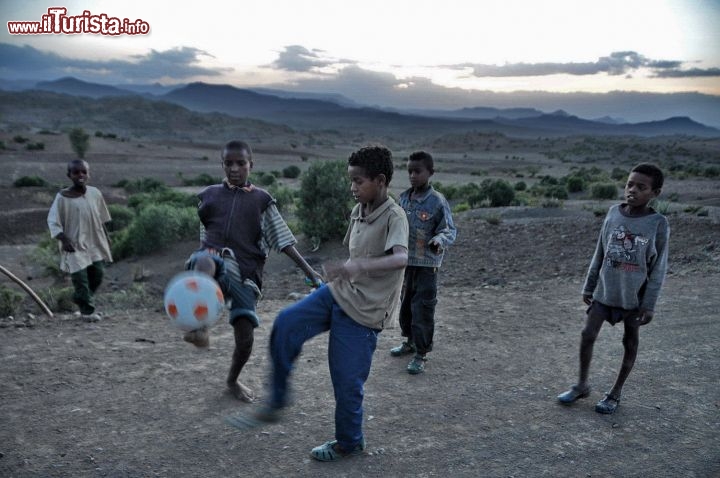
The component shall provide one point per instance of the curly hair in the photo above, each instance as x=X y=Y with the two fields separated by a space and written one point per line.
x=375 y=160
x=651 y=171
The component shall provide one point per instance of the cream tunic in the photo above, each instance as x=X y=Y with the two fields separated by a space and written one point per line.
x=81 y=219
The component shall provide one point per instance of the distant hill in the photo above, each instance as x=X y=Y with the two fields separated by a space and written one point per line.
x=75 y=87
x=214 y=108
x=481 y=112
x=130 y=116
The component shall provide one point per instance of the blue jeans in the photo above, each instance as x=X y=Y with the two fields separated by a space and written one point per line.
x=417 y=310
x=350 y=351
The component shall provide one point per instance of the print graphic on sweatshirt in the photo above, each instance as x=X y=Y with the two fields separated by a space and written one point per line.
x=625 y=249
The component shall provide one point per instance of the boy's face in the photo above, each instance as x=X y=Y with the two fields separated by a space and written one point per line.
x=364 y=189
x=419 y=173
x=79 y=173
x=237 y=166
x=639 y=190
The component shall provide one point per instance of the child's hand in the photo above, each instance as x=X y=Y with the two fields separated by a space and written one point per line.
x=645 y=317
x=341 y=270
x=435 y=246
x=67 y=246
x=587 y=299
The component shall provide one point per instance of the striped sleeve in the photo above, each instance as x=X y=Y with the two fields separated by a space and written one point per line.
x=276 y=233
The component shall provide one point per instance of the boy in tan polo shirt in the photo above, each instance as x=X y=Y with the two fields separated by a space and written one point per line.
x=355 y=305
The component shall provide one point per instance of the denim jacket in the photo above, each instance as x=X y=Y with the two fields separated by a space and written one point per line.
x=429 y=218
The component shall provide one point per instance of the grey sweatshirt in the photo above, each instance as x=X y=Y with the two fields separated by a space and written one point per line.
x=630 y=260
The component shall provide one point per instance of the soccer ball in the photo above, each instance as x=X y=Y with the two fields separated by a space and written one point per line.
x=193 y=300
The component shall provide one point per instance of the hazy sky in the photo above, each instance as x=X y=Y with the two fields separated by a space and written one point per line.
x=375 y=50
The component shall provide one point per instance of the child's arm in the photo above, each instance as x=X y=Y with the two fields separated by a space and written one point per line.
x=57 y=230
x=656 y=274
x=352 y=268
x=445 y=232
x=594 y=268
x=293 y=254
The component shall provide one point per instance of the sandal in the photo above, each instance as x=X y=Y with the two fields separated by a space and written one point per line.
x=573 y=394
x=608 y=405
x=404 y=348
x=330 y=451
x=416 y=365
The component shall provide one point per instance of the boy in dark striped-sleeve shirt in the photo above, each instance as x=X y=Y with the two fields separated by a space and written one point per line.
x=240 y=223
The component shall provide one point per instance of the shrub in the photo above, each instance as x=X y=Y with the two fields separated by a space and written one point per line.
x=265 y=179
x=203 y=179
x=557 y=192
x=35 y=146
x=575 y=184
x=619 y=174
x=165 y=196
x=46 y=254
x=121 y=216
x=284 y=197
x=291 y=172
x=9 y=301
x=30 y=181
x=324 y=201
x=462 y=207
x=711 y=172
x=20 y=139
x=520 y=186
x=142 y=185
x=58 y=299
x=498 y=191
x=156 y=227
x=603 y=191
x=80 y=141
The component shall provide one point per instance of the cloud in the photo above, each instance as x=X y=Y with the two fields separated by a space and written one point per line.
x=691 y=73
x=181 y=63
x=617 y=63
x=297 y=58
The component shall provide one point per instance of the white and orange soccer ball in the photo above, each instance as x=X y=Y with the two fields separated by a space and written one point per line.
x=193 y=300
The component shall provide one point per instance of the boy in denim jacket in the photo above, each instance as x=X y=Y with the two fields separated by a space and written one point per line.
x=431 y=232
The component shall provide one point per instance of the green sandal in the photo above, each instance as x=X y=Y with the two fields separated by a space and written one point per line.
x=608 y=405
x=330 y=451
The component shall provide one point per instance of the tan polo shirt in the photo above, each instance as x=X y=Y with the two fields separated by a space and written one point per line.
x=372 y=298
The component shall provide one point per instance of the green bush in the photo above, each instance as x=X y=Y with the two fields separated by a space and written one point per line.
x=80 y=141
x=30 y=181
x=619 y=174
x=58 y=299
x=142 y=185
x=284 y=197
x=35 y=146
x=462 y=207
x=575 y=184
x=156 y=227
x=711 y=172
x=324 y=200
x=603 y=191
x=46 y=254
x=165 y=196
x=291 y=172
x=9 y=301
x=557 y=191
x=498 y=191
x=20 y=139
x=520 y=186
x=203 y=179
x=121 y=216
x=265 y=179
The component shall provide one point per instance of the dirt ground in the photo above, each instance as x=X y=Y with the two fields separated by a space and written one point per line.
x=126 y=397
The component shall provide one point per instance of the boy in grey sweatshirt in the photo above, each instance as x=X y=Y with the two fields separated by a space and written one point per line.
x=624 y=278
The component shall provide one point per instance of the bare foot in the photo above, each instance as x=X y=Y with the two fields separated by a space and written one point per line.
x=241 y=392
x=198 y=337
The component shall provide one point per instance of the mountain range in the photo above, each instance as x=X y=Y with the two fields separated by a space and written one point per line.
x=312 y=111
